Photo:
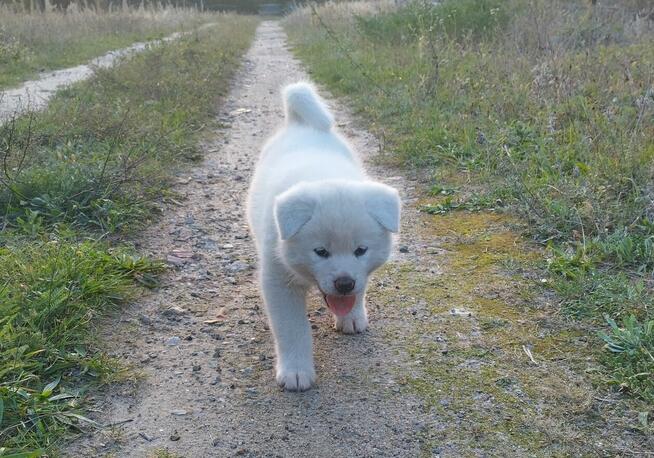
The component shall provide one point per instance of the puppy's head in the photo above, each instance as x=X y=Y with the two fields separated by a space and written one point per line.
x=335 y=233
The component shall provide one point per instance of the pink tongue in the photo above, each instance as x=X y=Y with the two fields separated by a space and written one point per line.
x=341 y=305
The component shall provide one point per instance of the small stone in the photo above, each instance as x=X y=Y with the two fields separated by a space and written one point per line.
x=174 y=436
x=145 y=319
x=173 y=341
x=197 y=368
x=404 y=249
x=173 y=312
x=175 y=261
x=237 y=266
x=188 y=338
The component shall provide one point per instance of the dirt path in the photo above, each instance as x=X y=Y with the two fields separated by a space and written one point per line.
x=215 y=388
x=464 y=356
x=34 y=94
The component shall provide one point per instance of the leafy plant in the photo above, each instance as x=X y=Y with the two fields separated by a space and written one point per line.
x=632 y=349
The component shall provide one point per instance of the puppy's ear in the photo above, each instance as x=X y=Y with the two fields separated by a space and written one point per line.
x=293 y=209
x=383 y=204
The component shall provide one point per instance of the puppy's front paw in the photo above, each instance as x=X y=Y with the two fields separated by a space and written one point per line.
x=296 y=378
x=352 y=323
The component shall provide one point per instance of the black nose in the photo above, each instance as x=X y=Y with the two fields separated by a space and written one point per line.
x=344 y=285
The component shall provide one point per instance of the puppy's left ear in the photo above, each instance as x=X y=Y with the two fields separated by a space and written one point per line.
x=383 y=204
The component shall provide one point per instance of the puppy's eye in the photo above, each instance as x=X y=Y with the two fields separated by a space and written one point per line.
x=321 y=252
x=360 y=251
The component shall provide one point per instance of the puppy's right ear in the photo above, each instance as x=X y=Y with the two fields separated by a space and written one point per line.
x=293 y=209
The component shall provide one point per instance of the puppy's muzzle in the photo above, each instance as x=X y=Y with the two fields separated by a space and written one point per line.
x=344 y=285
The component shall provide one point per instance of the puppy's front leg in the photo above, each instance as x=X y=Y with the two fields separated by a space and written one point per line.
x=287 y=313
x=356 y=320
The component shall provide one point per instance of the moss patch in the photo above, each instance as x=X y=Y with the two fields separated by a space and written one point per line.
x=499 y=372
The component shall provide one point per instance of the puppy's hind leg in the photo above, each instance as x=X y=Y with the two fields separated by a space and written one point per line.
x=355 y=321
x=286 y=311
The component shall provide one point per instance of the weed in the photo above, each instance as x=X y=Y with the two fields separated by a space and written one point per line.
x=632 y=355
x=473 y=203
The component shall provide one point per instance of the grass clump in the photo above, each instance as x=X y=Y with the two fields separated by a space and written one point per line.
x=52 y=291
x=33 y=41
x=549 y=105
x=76 y=179
x=632 y=354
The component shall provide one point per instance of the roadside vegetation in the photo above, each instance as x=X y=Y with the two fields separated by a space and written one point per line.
x=34 y=41
x=77 y=179
x=540 y=108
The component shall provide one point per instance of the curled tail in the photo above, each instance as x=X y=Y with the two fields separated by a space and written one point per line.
x=304 y=106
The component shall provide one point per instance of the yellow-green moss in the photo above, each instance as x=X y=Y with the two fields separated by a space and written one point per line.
x=475 y=373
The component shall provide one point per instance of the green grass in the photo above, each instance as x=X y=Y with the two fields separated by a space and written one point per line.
x=548 y=109
x=631 y=357
x=52 y=292
x=76 y=180
x=34 y=42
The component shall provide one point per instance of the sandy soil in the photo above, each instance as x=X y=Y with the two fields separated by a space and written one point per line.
x=464 y=355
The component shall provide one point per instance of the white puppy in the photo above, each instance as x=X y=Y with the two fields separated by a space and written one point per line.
x=318 y=221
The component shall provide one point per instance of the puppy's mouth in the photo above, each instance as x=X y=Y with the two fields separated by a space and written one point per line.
x=339 y=304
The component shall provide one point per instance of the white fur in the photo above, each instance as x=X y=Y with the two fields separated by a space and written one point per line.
x=310 y=191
